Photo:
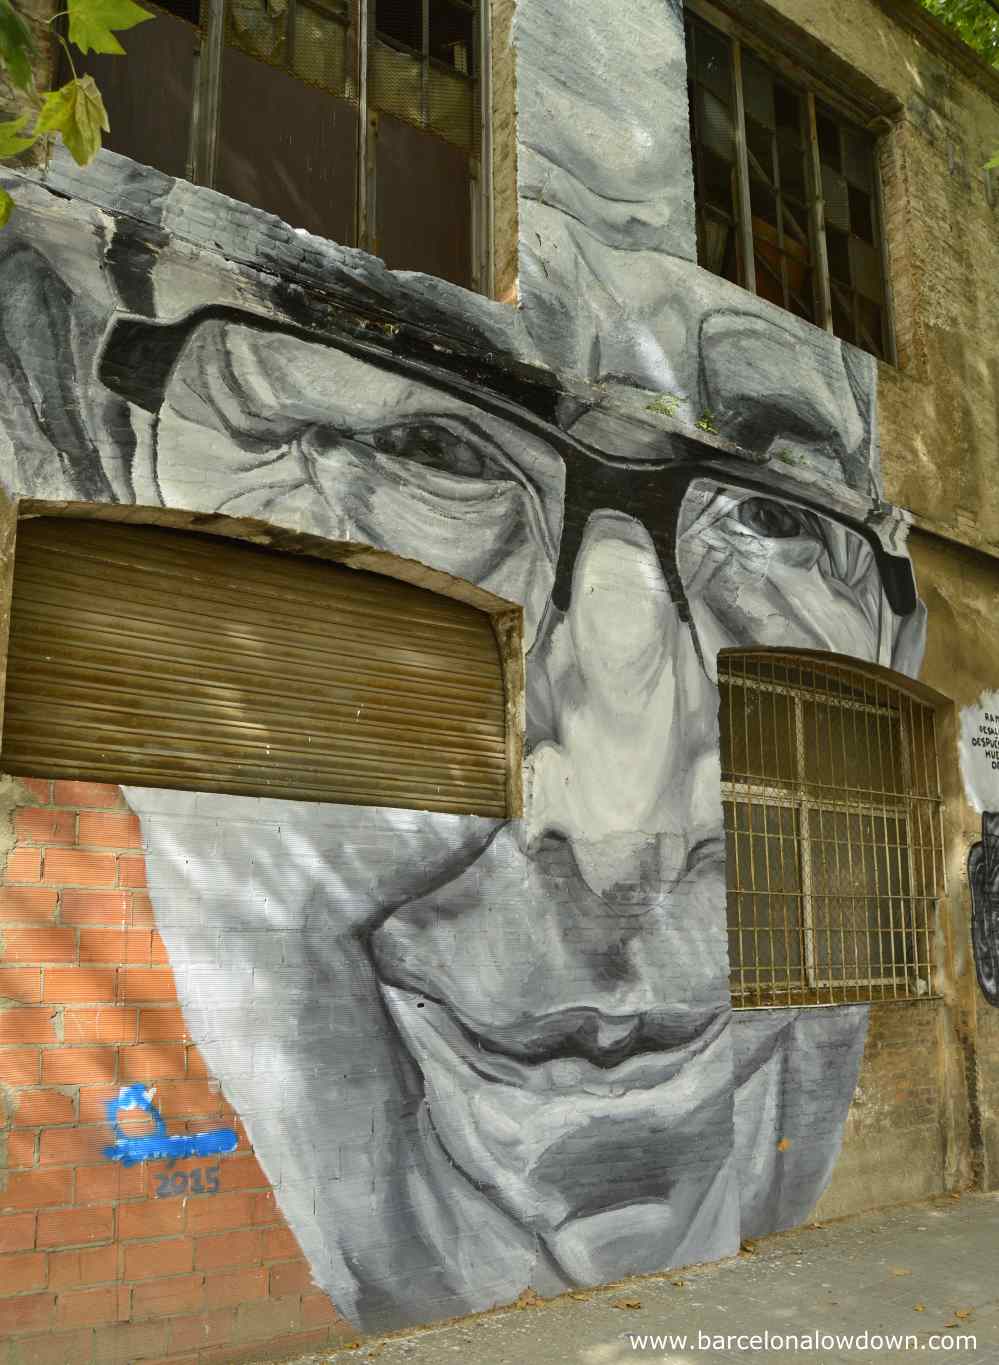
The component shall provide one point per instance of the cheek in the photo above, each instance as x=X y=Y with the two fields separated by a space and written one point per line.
x=486 y=538
x=254 y=864
x=791 y=606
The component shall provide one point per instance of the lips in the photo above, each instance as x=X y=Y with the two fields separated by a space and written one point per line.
x=580 y=1048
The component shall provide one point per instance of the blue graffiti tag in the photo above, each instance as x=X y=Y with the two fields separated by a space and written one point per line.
x=157 y=1145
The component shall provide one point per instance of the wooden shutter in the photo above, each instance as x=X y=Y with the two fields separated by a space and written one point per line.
x=171 y=659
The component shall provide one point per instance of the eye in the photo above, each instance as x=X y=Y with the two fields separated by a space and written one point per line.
x=434 y=447
x=776 y=520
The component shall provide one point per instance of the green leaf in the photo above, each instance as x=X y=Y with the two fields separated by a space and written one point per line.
x=976 y=21
x=16 y=46
x=77 y=111
x=6 y=208
x=10 y=140
x=91 y=22
x=993 y=165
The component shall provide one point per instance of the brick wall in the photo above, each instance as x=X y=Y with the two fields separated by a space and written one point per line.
x=894 y=1141
x=94 y=1267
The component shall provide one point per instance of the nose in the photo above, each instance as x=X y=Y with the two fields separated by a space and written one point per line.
x=622 y=725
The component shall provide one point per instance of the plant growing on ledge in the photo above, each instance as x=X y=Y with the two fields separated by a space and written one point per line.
x=75 y=111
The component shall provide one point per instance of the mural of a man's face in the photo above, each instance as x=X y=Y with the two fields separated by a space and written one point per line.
x=475 y=1054
x=471 y=1054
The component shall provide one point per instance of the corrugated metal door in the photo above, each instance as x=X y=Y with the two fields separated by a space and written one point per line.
x=172 y=659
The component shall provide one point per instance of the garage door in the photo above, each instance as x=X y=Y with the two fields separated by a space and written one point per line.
x=167 y=658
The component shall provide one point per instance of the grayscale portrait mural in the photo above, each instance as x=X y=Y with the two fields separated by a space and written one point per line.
x=979 y=750
x=474 y=1055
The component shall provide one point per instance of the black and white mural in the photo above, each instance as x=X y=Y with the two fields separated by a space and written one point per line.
x=475 y=1055
x=979 y=750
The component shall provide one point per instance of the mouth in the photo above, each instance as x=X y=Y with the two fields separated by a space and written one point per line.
x=579 y=1049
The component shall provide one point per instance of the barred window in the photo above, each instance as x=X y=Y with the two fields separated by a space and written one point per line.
x=363 y=121
x=786 y=190
x=833 y=825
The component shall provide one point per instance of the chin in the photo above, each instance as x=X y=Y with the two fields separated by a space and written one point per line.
x=616 y=1169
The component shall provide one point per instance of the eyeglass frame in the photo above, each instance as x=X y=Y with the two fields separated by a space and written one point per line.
x=138 y=355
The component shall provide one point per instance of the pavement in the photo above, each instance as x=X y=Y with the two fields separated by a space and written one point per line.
x=926 y=1274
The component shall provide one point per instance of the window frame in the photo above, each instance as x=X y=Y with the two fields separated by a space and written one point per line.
x=212 y=35
x=505 y=618
x=917 y=918
x=811 y=87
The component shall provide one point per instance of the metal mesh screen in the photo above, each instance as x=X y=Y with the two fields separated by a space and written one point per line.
x=423 y=66
x=312 y=40
x=833 y=825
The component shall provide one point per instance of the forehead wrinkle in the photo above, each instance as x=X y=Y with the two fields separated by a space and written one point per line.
x=762 y=380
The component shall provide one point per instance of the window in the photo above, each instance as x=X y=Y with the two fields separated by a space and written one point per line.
x=360 y=120
x=786 y=191
x=166 y=658
x=832 y=805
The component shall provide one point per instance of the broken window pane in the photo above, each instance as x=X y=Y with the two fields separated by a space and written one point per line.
x=783 y=168
x=828 y=135
x=452 y=35
x=401 y=21
x=861 y=214
x=713 y=63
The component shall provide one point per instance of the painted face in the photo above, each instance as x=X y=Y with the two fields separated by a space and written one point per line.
x=475 y=1054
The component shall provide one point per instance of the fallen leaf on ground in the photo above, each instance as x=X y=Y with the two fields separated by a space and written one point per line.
x=581 y=1298
x=784 y=1144
x=955 y=1196
x=899 y=1270
x=963 y=1312
x=919 y=1308
x=748 y=1247
x=626 y=1303
x=952 y=1324
x=528 y=1298
x=680 y=1284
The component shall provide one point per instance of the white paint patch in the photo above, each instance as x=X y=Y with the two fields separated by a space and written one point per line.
x=979 y=751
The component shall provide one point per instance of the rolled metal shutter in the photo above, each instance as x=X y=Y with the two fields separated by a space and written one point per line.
x=168 y=658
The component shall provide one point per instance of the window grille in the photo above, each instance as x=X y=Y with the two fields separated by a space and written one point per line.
x=312 y=40
x=424 y=65
x=833 y=827
x=358 y=120
x=786 y=191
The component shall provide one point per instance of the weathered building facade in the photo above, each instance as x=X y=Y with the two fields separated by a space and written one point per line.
x=503 y=789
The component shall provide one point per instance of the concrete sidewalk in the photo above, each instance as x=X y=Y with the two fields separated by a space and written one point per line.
x=920 y=1271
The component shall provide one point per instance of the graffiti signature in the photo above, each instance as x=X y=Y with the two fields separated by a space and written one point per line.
x=158 y=1144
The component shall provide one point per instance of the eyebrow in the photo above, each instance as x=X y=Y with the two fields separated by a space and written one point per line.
x=751 y=368
x=138 y=355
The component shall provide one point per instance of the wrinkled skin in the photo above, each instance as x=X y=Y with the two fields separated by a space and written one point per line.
x=546 y=1085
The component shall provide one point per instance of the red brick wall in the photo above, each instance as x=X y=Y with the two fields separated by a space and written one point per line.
x=93 y=1267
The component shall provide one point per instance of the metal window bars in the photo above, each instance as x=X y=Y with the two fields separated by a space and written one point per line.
x=834 y=836
x=424 y=62
x=787 y=191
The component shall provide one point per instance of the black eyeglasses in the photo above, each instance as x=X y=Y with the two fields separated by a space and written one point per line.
x=666 y=494
x=655 y=495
